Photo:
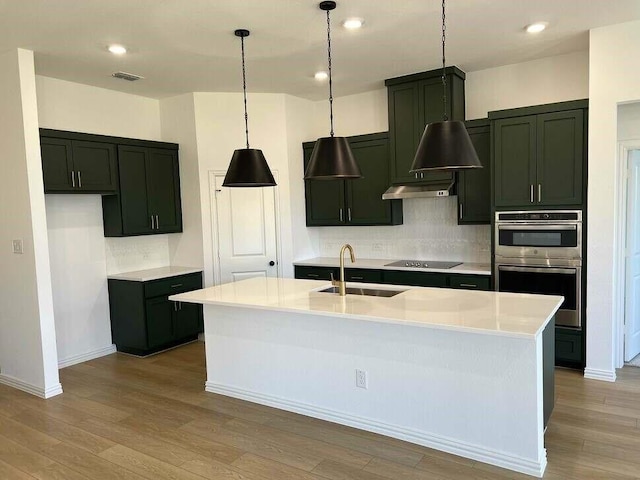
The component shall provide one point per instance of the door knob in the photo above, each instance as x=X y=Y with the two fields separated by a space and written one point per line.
x=272 y=263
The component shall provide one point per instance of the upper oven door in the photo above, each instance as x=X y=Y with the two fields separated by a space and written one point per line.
x=539 y=241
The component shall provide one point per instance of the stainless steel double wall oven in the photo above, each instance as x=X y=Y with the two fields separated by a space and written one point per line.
x=541 y=252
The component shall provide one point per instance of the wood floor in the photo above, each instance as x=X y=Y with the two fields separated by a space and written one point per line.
x=129 y=418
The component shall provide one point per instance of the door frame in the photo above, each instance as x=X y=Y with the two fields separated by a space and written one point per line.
x=620 y=240
x=215 y=242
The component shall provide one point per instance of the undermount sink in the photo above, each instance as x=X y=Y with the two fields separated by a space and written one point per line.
x=364 y=291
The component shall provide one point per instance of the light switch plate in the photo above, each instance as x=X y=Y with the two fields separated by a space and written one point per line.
x=17 y=246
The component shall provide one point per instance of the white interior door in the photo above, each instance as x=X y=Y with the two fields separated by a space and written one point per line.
x=246 y=232
x=632 y=261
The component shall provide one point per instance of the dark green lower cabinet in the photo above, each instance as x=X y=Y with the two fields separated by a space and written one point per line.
x=145 y=321
x=569 y=351
x=315 y=273
x=417 y=279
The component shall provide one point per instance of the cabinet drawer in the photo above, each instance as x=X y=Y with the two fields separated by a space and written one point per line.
x=568 y=346
x=470 y=282
x=316 y=273
x=169 y=286
x=363 y=275
x=417 y=279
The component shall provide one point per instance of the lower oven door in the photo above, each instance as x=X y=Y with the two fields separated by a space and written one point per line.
x=563 y=281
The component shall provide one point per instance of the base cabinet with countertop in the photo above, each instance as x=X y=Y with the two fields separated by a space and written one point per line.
x=144 y=320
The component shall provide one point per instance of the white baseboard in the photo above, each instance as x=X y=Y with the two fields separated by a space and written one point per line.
x=85 y=357
x=455 y=447
x=29 y=388
x=603 y=375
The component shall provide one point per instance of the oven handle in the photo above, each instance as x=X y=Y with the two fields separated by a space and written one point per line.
x=565 y=271
x=541 y=226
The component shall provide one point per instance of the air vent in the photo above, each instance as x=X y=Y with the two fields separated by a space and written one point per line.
x=131 y=77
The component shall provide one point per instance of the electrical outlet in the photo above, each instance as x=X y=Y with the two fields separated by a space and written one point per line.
x=377 y=247
x=361 y=379
x=17 y=246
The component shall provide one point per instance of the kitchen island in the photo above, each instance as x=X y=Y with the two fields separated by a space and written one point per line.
x=466 y=372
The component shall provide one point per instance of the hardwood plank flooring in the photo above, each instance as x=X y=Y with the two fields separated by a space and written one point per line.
x=129 y=418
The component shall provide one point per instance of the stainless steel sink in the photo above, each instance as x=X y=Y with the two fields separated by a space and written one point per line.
x=365 y=291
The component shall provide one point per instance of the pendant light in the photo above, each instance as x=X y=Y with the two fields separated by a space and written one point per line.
x=445 y=145
x=248 y=167
x=331 y=157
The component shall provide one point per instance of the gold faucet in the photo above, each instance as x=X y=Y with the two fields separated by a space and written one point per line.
x=341 y=284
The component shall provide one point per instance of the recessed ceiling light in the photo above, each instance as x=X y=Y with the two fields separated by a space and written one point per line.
x=353 y=23
x=536 y=27
x=117 y=49
x=321 y=76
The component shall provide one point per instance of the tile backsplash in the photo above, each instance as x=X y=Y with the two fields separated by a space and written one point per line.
x=430 y=231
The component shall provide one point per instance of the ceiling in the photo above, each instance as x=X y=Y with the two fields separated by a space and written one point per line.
x=184 y=46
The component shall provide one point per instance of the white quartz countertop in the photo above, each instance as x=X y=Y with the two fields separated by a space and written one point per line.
x=154 y=273
x=379 y=264
x=494 y=313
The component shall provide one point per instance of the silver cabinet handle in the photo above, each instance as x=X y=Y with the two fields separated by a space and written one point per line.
x=460 y=211
x=176 y=285
x=357 y=278
x=539 y=192
x=313 y=275
x=531 y=193
x=152 y=227
x=157 y=223
x=421 y=174
x=175 y=306
x=468 y=285
x=79 y=179
x=73 y=179
x=349 y=213
x=341 y=216
x=180 y=306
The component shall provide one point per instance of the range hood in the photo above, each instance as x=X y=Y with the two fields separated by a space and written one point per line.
x=418 y=191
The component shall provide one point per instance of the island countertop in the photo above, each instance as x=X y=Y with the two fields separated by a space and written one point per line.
x=493 y=313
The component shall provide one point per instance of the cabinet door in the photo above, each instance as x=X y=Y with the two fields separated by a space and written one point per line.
x=559 y=158
x=160 y=313
x=405 y=130
x=364 y=196
x=324 y=199
x=163 y=189
x=474 y=185
x=136 y=218
x=94 y=164
x=515 y=161
x=57 y=165
x=186 y=318
x=418 y=279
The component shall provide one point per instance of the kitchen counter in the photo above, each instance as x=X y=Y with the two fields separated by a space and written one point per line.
x=494 y=313
x=154 y=274
x=466 y=372
x=379 y=264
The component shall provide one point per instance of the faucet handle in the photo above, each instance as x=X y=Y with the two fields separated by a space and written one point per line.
x=333 y=281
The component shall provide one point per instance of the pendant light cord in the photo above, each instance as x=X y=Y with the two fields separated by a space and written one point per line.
x=244 y=91
x=330 y=79
x=444 y=75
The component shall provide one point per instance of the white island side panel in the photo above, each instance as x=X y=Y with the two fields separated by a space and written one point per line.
x=478 y=396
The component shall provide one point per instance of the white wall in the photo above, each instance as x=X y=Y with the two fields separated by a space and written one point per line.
x=547 y=80
x=81 y=257
x=614 y=64
x=179 y=126
x=28 y=357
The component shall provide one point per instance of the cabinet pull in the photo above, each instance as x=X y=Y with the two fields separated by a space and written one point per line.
x=176 y=285
x=539 y=192
x=180 y=306
x=421 y=174
x=73 y=179
x=341 y=216
x=157 y=223
x=152 y=227
x=349 y=213
x=357 y=278
x=531 y=193
x=460 y=211
x=79 y=179
x=468 y=285
x=313 y=275
x=175 y=306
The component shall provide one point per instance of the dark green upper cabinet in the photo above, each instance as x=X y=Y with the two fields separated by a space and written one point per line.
x=474 y=185
x=355 y=202
x=149 y=199
x=77 y=166
x=414 y=101
x=539 y=155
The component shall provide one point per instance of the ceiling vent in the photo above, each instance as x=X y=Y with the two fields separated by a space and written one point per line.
x=131 y=77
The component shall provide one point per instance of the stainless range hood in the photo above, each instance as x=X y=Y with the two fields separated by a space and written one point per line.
x=418 y=191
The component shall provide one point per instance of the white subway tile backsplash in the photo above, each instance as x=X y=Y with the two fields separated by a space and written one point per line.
x=430 y=231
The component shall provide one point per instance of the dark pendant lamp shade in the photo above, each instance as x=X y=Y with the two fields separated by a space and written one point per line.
x=332 y=159
x=248 y=168
x=445 y=145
